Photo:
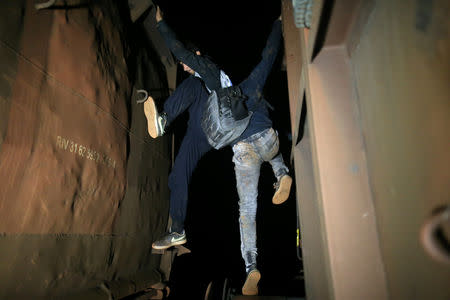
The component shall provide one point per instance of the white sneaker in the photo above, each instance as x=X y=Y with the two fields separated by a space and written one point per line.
x=155 y=122
x=282 y=189
x=169 y=240
x=250 y=287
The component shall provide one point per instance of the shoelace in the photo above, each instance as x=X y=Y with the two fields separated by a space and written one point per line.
x=276 y=185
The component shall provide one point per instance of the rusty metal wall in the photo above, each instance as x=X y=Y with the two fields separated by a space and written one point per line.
x=402 y=72
x=83 y=189
x=372 y=165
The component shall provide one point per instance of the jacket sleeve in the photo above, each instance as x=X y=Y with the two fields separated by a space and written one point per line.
x=209 y=72
x=269 y=54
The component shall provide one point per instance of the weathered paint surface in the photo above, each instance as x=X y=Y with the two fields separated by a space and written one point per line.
x=373 y=162
x=83 y=188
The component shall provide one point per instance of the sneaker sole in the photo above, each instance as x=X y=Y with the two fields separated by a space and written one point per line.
x=250 y=287
x=171 y=245
x=283 y=191
x=151 y=115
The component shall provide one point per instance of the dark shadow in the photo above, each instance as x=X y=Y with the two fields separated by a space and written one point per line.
x=302 y=123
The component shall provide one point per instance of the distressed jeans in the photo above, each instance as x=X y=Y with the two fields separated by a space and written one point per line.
x=248 y=156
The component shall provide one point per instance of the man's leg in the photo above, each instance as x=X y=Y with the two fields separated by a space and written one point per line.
x=176 y=104
x=191 y=150
x=280 y=170
x=247 y=168
x=284 y=181
x=267 y=144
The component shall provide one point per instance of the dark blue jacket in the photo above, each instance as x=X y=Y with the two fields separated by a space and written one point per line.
x=190 y=95
x=252 y=87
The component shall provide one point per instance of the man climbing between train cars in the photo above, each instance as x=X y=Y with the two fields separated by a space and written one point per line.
x=258 y=143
